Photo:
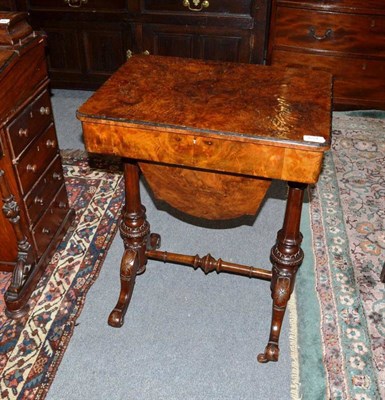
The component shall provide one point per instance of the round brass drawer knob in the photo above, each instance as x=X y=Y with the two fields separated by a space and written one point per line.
x=62 y=205
x=45 y=111
x=38 y=200
x=23 y=132
x=31 y=168
x=50 y=143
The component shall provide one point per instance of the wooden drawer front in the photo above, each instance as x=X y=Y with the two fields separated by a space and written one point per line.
x=30 y=123
x=347 y=33
x=243 y=7
x=41 y=196
x=376 y=6
x=46 y=228
x=39 y=155
x=362 y=81
x=80 y=5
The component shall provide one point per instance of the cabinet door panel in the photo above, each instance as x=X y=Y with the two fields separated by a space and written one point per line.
x=167 y=41
x=223 y=48
x=83 y=54
x=196 y=42
x=104 y=50
x=64 y=50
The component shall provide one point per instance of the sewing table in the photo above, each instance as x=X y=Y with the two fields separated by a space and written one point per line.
x=209 y=137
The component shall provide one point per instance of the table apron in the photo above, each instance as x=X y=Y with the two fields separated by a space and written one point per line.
x=205 y=152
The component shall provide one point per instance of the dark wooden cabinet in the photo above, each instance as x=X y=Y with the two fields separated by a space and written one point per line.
x=89 y=39
x=35 y=211
x=224 y=30
x=344 y=37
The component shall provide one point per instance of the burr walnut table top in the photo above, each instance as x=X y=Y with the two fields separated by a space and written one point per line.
x=213 y=115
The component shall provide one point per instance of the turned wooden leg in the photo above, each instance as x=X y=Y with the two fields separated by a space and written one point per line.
x=286 y=256
x=134 y=230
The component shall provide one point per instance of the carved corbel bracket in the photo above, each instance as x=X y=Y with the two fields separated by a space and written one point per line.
x=24 y=262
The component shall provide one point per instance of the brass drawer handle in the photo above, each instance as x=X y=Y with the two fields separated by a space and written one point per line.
x=38 y=200
x=328 y=34
x=23 y=132
x=46 y=231
x=50 y=143
x=203 y=4
x=45 y=111
x=62 y=205
x=75 y=3
x=31 y=168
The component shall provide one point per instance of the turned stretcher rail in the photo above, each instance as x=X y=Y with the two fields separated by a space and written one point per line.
x=209 y=264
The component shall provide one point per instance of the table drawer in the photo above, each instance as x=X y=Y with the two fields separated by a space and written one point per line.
x=315 y=30
x=30 y=123
x=39 y=155
x=81 y=5
x=46 y=228
x=42 y=194
x=243 y=7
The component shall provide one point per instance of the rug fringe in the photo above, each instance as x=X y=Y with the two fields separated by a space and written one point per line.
x=295 y=384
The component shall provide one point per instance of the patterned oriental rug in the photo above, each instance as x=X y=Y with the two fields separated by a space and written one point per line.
x=337 y=310
x=32 y=348
x=339 y=325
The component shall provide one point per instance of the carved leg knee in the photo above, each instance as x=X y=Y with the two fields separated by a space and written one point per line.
x=282 y=286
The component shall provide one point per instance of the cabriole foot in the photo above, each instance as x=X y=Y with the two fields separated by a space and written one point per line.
x=271 y=353
x=128 y=271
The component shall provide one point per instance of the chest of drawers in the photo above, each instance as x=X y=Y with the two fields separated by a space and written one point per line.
x=34 y=198
x=344 y=37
